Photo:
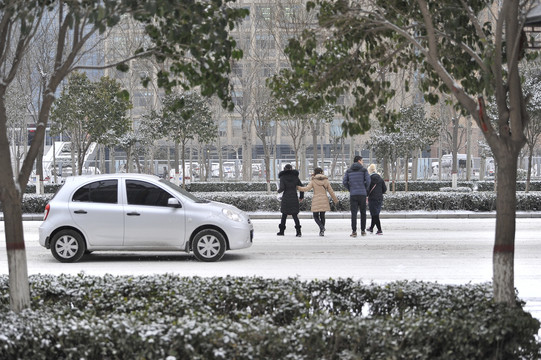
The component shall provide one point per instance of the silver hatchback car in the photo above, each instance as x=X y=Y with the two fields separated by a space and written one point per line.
x=139 y=212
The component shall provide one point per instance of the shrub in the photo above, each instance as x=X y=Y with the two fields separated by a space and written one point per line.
x=174 y=317
x=400 y=201
x=457 y=189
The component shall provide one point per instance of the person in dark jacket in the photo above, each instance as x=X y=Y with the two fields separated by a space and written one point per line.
x=357 y=181
x=289 y=180
x=375 y=198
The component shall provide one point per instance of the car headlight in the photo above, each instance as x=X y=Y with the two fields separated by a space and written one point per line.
x=232 y=215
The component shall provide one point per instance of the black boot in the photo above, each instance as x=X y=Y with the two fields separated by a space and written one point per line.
x=282 y=228
x=298 y=231
x=321 y=230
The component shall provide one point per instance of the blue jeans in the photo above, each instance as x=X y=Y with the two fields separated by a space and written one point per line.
x=356 y=203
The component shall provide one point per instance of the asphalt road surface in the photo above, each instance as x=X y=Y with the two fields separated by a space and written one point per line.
x=448 y=251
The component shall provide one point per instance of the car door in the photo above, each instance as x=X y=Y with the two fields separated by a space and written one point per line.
x=95 y=209
x=149 y=221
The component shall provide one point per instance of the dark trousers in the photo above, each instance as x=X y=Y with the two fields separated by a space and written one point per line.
x=358 y=202
x=295 y=218
x=375 y=207
x=319 y=218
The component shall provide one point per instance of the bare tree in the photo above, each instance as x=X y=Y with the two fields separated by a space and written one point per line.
x=532 y=91
x=470 y=50
x=79 y=24
x=266 y=120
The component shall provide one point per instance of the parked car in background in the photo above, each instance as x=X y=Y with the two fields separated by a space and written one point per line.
x=138 y=212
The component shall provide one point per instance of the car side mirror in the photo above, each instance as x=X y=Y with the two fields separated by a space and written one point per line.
x=172 y=202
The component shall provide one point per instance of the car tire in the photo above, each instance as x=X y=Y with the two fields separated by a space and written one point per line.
x=68 y=246
x=208 y=245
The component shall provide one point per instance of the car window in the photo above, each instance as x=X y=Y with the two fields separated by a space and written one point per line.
x=144 y=193
x=183 y=192
x=103 y=191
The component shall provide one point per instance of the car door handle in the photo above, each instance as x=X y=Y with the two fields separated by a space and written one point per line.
x=80 y=212
x=133 y=213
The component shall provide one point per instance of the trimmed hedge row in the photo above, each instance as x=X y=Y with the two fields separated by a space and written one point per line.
x=431 y=201
x=429 y=185
x=401 y=201
x=172 y=317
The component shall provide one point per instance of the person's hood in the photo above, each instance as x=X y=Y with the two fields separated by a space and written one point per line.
x=355 y=167
x=319 y=179
x=291 y=172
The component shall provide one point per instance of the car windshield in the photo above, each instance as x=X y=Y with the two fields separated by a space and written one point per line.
x=183 y=192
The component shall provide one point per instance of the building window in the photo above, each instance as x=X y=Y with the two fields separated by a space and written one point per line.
x=265 y=42
x=237 y=70
x=263 y=13
x=237 y=126
x=237 y=98
x=267 y=70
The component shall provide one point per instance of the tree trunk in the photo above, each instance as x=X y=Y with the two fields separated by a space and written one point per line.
x=266 y=150
x=454 y=168
x=468 y=149
x=482 y=168
x=315 y=126
x=72 y=153
x=321 y=142
x=19 y=289
x=112 y=166
x=183 y=159
x=504 y=245
x=406 y=170
x=529 y=175
x=176 y=163
x=39 y=169
x=246 y=149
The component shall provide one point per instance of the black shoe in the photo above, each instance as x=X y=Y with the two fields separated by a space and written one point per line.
x=322 y=233
x=370 y=230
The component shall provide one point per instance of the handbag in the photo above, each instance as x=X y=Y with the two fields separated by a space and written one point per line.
x=370 y=193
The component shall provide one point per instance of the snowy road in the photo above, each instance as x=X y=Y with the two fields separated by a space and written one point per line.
x=450 y=251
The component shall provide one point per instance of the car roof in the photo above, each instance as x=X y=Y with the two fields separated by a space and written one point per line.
x=74 y=180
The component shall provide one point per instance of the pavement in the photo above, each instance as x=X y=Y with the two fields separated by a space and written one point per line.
x=444 y=247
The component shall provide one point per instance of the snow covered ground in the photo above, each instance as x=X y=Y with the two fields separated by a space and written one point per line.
x=448 y=248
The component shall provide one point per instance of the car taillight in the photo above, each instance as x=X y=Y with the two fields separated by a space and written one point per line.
x=47 y=208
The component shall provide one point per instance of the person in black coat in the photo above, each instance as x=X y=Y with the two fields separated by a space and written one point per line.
x=289 y=180
x=375 y=198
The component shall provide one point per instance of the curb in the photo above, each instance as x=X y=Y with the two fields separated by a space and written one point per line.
x=402 y=215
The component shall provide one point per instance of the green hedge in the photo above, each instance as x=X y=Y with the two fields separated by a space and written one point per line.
x=418 y=185
x=158 y=317
x=252 y=201
x=431 y=201
x=47 y=188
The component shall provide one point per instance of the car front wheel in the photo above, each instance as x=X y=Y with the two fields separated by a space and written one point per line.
x=208 y=245
x=68 y=246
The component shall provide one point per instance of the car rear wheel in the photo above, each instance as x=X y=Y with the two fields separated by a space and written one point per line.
x=68 y=246
x=208 y=245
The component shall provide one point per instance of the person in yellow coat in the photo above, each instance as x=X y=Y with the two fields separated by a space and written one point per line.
x=320 y=202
